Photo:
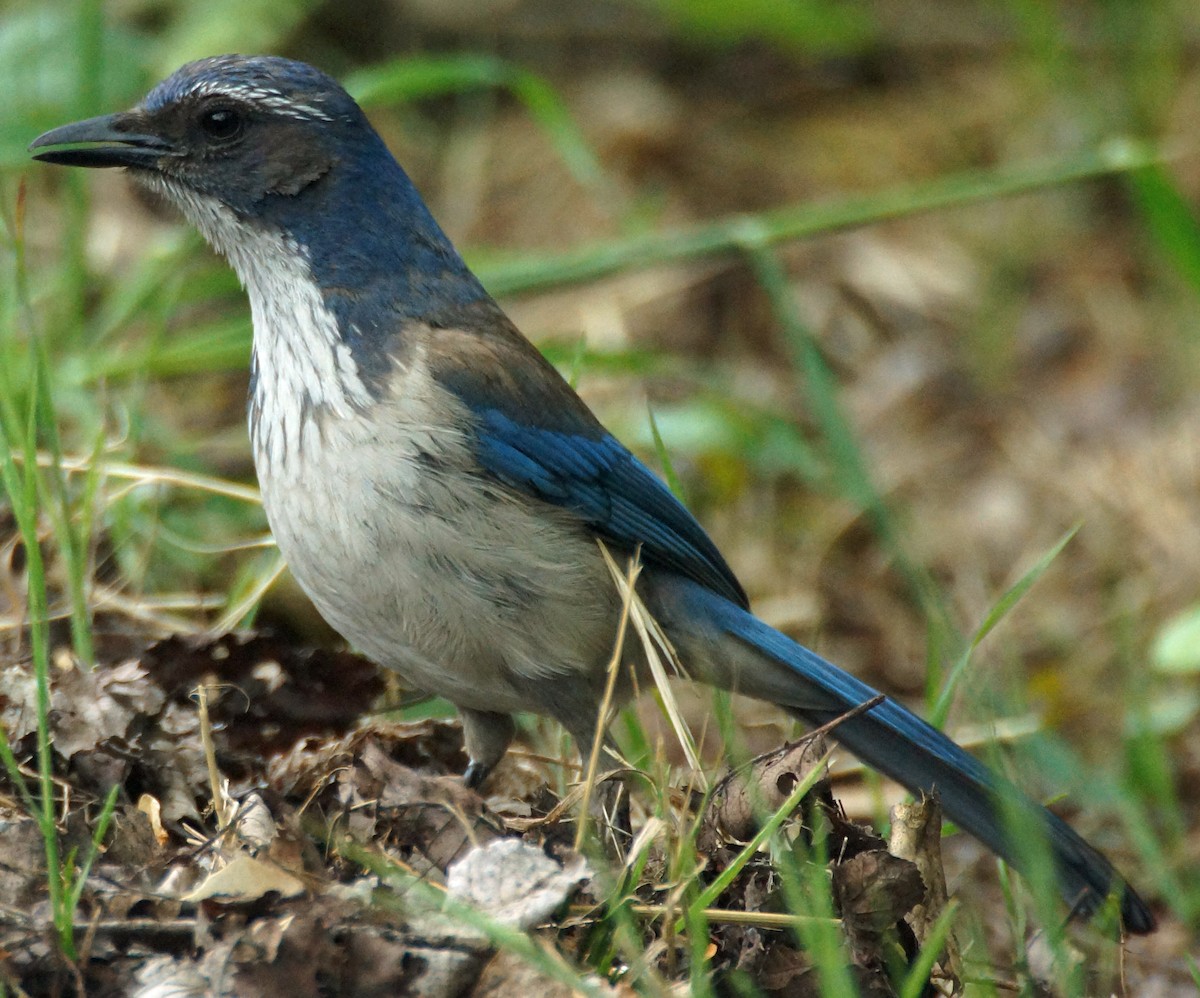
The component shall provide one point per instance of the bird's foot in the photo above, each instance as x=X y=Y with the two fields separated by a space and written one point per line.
x=474 y=775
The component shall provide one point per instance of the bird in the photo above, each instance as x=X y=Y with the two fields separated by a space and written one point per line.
x=441 y=492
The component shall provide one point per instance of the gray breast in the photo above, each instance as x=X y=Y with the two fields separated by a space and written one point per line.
x=420 y=559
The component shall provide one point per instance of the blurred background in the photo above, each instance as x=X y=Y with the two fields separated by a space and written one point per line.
x=906 y=292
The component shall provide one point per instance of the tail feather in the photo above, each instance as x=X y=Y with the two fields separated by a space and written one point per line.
x=899 y=744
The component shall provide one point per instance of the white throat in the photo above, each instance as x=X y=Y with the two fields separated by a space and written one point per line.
x=304 y=371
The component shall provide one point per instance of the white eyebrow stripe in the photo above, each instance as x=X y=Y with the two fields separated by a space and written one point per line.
x=263 y=97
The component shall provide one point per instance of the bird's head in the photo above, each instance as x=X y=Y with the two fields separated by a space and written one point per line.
x=272 y=159
x=232 y=130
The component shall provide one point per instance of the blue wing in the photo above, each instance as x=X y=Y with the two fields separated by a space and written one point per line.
x=533 y=433
x=600 y=481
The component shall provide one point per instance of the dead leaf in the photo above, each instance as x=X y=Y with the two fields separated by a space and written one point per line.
x=514 y=882
x=746 y=796
x=247 y=878
x=149 y=806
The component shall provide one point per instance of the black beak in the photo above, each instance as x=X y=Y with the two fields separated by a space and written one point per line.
x=111 y=140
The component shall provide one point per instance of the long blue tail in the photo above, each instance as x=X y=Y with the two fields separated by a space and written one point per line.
x=899 y=744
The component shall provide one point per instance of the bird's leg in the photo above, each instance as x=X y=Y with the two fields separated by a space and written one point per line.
x=486 y=736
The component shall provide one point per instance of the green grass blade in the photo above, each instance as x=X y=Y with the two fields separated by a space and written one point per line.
x=103 y=820
x=502 y=936
x=22 y=487
x=841 y=443
x=941 y=709
x=430 y=76
x=916 y=980
x=1170 y=219
x=26 y=490
x=804 y=881
x=664 y=456
x=58 y=505
x=725 y=236
x=221 y=345
x=769 y=827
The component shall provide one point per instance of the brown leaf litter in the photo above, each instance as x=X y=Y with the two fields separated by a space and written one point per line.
x=346 y=839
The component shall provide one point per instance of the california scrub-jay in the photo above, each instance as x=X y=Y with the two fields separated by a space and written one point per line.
x=436 y=486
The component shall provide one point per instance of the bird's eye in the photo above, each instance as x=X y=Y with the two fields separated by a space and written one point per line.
x=221 y=123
